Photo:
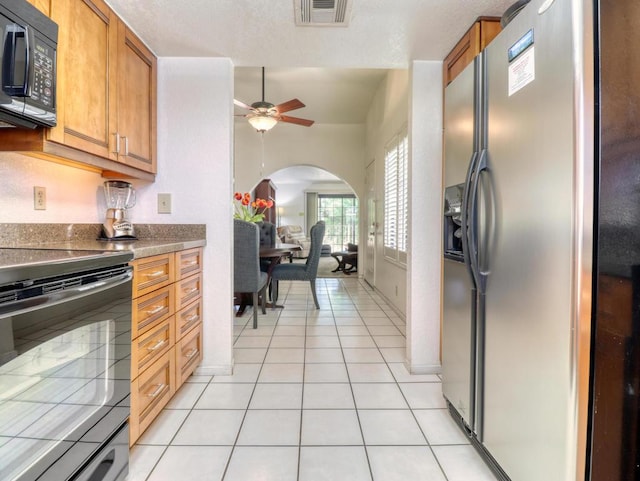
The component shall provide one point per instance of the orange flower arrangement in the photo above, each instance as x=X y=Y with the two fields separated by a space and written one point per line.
x=249 y=210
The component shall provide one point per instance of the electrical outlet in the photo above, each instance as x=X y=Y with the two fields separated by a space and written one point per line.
x=39 y=198
x=164 y=203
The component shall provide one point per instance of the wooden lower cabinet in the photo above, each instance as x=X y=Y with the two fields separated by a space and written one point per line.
x=150 y=392
x=166 y=331
x=188 y=353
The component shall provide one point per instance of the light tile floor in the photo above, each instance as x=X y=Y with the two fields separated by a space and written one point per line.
x=316 y=395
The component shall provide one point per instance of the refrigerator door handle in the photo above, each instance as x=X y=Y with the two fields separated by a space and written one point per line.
x=479 y=276
x=465 y=217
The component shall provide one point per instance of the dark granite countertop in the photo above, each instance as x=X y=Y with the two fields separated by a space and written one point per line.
x=139 y=248
x=153 y=239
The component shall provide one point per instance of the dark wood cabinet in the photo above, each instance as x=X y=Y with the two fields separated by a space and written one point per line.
x=267 y=190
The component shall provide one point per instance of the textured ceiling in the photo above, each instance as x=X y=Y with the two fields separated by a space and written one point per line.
x=381 y=34
x=333 y=70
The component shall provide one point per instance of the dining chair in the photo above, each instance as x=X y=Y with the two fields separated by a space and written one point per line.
x=301 y=272
x=247 y=276
x=267 y=239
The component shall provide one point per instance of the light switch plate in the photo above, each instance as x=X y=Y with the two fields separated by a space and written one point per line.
x=164 y=203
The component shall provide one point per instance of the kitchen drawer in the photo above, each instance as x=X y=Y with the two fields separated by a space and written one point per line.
x=188 y=262
x=150 y=392
x=152 y=345
x=188 y=354
x=150 y=309
x=188 y=290
x=188 y=317
x=151 y=273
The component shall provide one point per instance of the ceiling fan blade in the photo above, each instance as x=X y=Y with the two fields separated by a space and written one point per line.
x=241 y=104
x=296 y=120
x=292 y=104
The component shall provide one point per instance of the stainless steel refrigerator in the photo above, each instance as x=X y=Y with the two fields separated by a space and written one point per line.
x=518 y=228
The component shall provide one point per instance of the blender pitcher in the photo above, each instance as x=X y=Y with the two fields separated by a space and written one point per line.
x=119 y=196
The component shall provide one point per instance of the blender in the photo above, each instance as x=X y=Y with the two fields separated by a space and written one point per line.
x=119 y=196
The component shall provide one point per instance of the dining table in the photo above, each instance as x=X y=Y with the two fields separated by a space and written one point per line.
x=275 y=254
x=278 y=252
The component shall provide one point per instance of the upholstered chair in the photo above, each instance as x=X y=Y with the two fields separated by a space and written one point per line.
x=302 y=272
x=247 y=276
x=267 y=239
x=267 y=234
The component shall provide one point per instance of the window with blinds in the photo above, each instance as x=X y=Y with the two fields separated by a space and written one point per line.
x=396 y=183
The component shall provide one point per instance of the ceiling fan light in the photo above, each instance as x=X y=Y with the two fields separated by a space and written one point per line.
x=261 y=123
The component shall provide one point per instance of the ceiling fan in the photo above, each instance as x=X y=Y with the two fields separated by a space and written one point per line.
x=264 y=115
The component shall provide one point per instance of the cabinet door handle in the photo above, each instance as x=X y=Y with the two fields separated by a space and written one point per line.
x=192 y=318
x=117 y=151
x=154 y=274
x=126 y=145
x=157 y=345
x=190 y=290
x=159 y=388
x=154 y=310
x=193 y=352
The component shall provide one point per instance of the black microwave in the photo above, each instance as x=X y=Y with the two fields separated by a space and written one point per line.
x=28 y=63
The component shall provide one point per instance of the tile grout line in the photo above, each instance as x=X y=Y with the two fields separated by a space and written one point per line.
x=353 y=397
x=246 y=410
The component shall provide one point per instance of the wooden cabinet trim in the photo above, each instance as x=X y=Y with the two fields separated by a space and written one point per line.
x=150 y=392
x=152 y=308
x=151 y=345
x=187 y=290
x=188 y=262
x=188 y=354
x=151 y=273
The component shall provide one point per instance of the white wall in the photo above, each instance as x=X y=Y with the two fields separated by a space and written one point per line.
x=425 y=218
x=195 y=137
x=338 y=149
x=388 y=114
x=73 y=195
x=195 y=148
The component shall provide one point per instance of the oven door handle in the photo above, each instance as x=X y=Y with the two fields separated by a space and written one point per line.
x=52 y=298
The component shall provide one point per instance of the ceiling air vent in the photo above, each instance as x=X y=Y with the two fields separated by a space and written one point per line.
x=322 y=13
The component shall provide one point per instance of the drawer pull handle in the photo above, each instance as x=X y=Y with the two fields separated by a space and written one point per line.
x=154 y=274
x=157 y=345
x=193 y=352
x=192 y=318
x=156 y=392
x=190 y=263
x=155 y=310
x=190 y=290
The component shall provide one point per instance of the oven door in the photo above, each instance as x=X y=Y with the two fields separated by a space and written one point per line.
x=65 y=379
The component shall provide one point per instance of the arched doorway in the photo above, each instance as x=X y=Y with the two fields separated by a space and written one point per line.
x=307 y=194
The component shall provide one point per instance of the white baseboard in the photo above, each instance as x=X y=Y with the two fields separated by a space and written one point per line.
x=423 y=368
x=221 y=370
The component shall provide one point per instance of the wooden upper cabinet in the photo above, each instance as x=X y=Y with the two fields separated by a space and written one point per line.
x=471 y=44
x=105 y=97
x=87 y=55
x=136 y=101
